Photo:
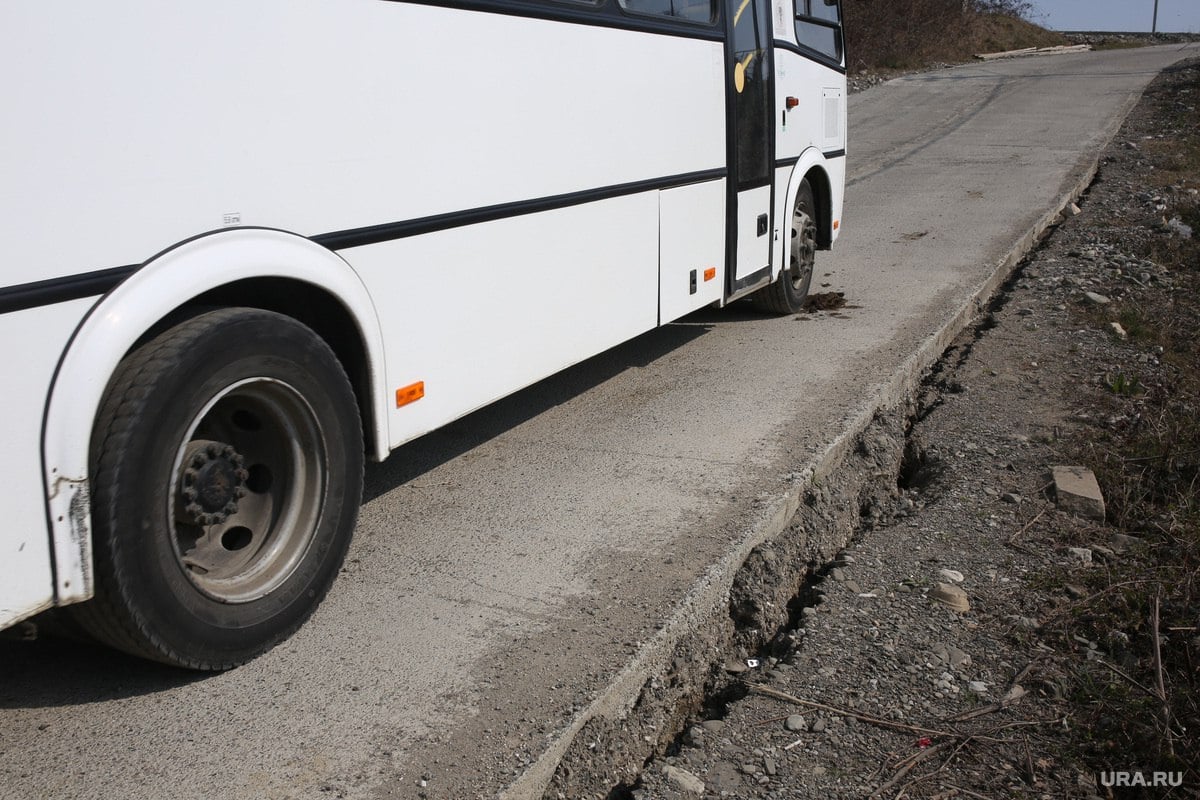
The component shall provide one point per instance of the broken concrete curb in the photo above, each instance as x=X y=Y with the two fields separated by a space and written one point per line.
x=1077 y=492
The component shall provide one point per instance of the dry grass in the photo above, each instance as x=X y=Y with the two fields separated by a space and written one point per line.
x=1144 y=709
x=909 y=34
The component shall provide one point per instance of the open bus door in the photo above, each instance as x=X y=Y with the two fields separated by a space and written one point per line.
x=751 y=143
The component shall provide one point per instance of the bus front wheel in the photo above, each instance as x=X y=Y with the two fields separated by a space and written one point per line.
x=226 y=476
x=789 y=291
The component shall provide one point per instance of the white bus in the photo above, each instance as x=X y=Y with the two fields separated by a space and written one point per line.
x=248 y=245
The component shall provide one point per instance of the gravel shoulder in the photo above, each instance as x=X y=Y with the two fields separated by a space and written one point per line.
x=878 y=688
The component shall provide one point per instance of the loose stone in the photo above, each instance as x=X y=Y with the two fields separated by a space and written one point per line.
x=683 y=780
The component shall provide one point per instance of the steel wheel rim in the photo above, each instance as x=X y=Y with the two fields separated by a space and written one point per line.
x=242 y=556
x=803 y=249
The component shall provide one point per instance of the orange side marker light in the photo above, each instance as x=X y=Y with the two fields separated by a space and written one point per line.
x=410 y=394
x=836 y=224
x=710 y=273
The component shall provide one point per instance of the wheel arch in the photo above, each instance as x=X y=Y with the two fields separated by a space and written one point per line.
x=818 y=179
x=260 y=268
x=811 y=166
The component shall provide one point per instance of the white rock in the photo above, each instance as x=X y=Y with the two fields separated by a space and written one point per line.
x=1014 y=694
x=1180 y=227
x=683 y=780
x=1081 y=554
x=950 y=595
x=952 y=575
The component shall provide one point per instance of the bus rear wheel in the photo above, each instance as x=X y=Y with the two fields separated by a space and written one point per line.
x=226 y=476
x=789 y=291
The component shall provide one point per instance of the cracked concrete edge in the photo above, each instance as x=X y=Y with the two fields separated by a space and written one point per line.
x=710 y=595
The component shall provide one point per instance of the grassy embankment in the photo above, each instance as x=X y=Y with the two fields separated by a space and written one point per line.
x=883 y=35
x=1148 y=463
x=1145 y=448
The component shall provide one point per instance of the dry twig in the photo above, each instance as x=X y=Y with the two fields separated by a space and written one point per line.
x=993 y=707
x=1158 y=673
x=1029 y=773
x=883 y=723
x=912 y=762
x=1013 y=539
x=1106 y=590
x=1130 y=678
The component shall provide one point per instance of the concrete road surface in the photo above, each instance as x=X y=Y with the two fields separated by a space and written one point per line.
x=527 y=566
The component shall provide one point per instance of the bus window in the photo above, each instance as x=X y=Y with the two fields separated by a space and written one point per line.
x=823 y=10
x=690 y=10
x=817 y=28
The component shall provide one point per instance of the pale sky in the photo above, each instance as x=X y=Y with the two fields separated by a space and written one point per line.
x=1117 y=15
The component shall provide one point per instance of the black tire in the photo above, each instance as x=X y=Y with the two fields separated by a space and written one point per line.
x=226 y=478
x=787 y=293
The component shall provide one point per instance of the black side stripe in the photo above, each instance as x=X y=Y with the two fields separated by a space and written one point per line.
x=60 y=290
x=90 y=284
x=601 y=14
x=782 y=163
x=357 y=237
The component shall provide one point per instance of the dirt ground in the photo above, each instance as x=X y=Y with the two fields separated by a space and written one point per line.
x=874 y=687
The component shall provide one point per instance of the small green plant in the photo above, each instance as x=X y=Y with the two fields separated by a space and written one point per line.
x=1135 y=325
x=1123 y=385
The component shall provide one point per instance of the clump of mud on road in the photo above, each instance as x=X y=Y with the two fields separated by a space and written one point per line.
x=981 y=637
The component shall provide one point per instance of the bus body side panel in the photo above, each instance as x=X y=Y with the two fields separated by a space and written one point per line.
x=479 y=311
x=835 y=168
x=330 y=117
x=34 y=339
x=324 y=117
x=689 y=251
x=582 y=286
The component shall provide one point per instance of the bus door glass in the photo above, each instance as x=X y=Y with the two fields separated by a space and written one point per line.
x=748 y=75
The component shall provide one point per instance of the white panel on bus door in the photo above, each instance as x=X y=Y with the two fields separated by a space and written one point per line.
x=37 y=337
x=753 y=228
x=691 y=248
